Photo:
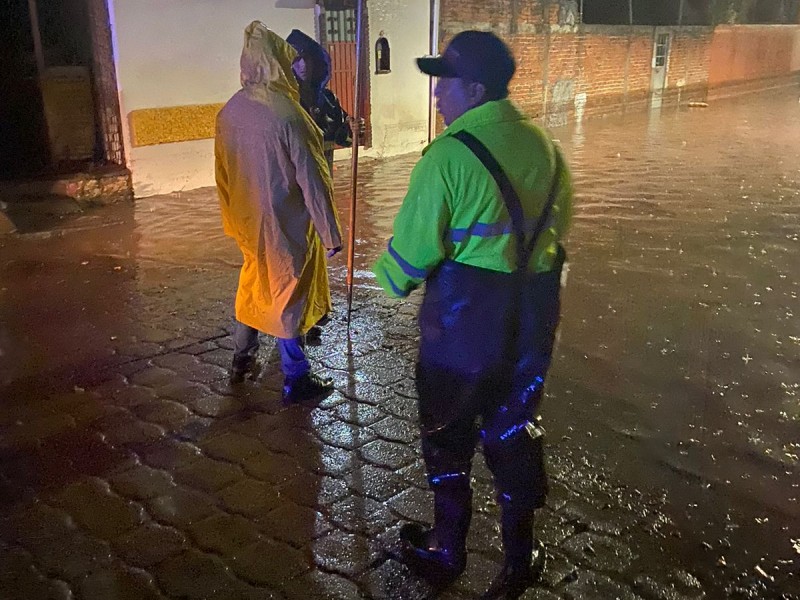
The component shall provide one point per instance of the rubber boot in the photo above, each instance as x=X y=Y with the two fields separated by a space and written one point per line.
x=241 y=368
x=524 y=557
x=439 y=554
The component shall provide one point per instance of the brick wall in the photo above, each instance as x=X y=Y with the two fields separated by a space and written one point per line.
x=687 y=78
x=617 y=66
x=531 y=53
x=564 y=68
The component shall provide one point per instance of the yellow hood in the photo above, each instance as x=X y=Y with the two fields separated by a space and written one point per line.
x=267 y=64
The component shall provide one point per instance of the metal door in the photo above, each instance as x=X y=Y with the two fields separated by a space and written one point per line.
x=341 y=45
x=658 y=81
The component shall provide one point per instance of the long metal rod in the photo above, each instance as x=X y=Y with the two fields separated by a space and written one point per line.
x=351 y=243
x=433 y=50
x=37 y=36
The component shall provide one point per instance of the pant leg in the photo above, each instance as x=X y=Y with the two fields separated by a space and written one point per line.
x=462 y=323
x=448 y=460
x=448 y=423
x=294 y=363
x=513 y=444
x=513 y=440
x=245 y=341
x=514 y=455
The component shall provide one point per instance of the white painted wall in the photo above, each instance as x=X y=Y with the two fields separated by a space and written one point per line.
x=179 y=52
x=400 y=99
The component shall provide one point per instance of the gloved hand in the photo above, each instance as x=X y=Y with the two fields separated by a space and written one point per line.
x=333 y=251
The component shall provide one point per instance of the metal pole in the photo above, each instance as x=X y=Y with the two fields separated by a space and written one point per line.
x=630 y=12
x=433 y=51
x=351 y=244
x=680 y=12
x=37 y=36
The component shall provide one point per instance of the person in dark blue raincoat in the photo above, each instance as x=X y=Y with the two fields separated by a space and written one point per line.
x=312 y=68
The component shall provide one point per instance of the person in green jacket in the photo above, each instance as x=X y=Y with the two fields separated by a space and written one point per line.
x=491 y=305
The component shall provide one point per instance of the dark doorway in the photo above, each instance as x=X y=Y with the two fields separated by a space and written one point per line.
x=23 y=132
x=59 y=110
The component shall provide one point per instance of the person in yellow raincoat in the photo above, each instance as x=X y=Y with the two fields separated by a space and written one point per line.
x=275 y=195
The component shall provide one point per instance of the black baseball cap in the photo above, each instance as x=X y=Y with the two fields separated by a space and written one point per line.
x=475 y=55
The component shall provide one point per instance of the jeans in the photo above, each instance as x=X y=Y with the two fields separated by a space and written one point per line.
x=294 y=363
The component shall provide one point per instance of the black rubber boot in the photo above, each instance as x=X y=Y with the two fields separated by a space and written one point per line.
x=241 y=367
x=524 y=557
x=314 y=336
x=306 y=387
x=439 y=554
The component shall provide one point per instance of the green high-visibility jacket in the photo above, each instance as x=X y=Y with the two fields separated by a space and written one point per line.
x=454 y=210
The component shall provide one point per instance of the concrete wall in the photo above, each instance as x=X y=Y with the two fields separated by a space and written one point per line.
x=182 y=53
x=399 y=99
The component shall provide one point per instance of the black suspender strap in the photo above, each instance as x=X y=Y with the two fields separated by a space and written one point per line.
x=510 y=197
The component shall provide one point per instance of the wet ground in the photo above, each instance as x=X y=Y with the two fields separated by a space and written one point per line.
x=129 y=468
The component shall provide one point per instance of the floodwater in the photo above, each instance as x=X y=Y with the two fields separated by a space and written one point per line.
x=678 y=366
x=680 y=348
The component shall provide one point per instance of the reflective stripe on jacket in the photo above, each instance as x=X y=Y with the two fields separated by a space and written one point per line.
x=454 y=209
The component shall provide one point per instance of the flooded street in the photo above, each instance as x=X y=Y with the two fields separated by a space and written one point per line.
x=680 y=344
x=673 y=408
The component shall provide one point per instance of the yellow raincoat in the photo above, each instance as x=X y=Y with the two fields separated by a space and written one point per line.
x=275 y=192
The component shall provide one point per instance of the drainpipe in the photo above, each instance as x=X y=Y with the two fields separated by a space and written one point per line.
x=433 y=50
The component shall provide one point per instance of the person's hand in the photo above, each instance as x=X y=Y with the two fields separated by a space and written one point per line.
x=362 y=125
x=333 y=251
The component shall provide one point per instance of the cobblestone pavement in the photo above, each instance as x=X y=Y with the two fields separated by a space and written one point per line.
x=130 y=468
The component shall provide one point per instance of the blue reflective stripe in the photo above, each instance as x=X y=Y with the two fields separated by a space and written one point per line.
x=480 y=230
x=439 y=479
x=395 y=289
x=513 y=430
x=407 y=267
x=532 y=390
x=488 y=230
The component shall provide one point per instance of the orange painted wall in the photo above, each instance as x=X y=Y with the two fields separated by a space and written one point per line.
x=747 y=52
